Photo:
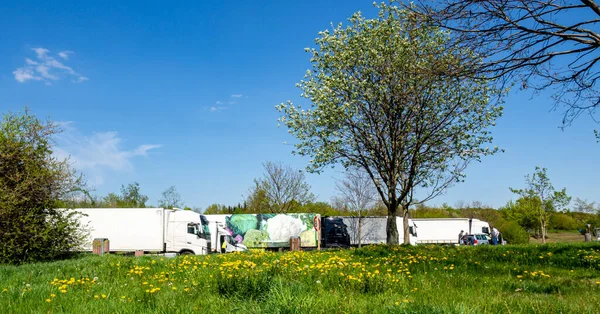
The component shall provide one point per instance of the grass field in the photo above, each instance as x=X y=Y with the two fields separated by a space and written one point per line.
x=554 y=278
x=560 y=236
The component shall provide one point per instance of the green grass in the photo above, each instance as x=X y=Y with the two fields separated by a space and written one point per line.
x=560 y=236
x=554 y=278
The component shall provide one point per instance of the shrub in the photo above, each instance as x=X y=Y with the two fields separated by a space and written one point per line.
x=562 y=221
x=32 y=181
x=513 y=233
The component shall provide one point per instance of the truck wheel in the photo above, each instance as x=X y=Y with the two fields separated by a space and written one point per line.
x=186 y=252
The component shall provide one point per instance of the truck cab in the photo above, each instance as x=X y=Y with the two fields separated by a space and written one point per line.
x=334 y=233
x=219 y=238
x=184 y=233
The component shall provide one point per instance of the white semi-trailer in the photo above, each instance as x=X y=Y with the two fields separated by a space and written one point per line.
x=373 y=230
x=145 y=229
x=446 y=230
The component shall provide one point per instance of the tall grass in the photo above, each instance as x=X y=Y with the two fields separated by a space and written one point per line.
x=557 y=278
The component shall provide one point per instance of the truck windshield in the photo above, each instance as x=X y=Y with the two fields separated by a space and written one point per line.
x=205 y=228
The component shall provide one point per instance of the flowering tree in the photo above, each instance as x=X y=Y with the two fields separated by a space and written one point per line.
x=387 y=97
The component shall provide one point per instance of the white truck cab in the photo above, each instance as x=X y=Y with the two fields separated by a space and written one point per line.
x=220 y=239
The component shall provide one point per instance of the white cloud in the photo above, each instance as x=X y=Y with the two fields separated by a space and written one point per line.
x=99 y=154
x=216 y=108
x=237 y=95
x=219 y=102
x=25 y=74
x=46 y=68
x=65 y=54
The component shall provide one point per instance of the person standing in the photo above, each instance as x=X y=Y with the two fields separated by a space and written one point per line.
x=495 y=234
x=460 y=235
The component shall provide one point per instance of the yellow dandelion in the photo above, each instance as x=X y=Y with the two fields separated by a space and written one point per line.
x=96 y=296
x=52 y=295
x=103 y=296
x=48 y=300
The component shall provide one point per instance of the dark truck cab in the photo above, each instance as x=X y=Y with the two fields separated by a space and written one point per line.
x=334 y=233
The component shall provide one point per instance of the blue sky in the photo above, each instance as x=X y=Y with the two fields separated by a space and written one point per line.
x=184 y=93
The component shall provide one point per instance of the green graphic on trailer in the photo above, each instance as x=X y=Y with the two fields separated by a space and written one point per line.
x=272 y=230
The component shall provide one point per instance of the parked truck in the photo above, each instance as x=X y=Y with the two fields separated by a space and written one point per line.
x=273 y=231
x=145 y=229
x=373 y=230
x=220 y=239
x=446 y=230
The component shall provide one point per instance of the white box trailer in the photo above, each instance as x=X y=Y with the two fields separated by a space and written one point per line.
x=146 y=229
x=373 y=230
x=446 y=230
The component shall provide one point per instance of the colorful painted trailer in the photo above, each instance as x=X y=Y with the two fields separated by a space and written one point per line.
x=268 y=230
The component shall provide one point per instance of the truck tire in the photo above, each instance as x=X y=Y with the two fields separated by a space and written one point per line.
x=186 y=252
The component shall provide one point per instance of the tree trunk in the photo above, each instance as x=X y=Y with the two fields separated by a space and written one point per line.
x=359 y=230
x=405 y=225
x=392 y=227
x=543 y=225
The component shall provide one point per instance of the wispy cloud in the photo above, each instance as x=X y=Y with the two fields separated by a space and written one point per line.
x=99 y=154
x=65 y=54
x=217 y=108
x=237 y=95
x=47 y=68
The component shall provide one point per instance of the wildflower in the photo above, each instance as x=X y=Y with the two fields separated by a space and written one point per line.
x=4 y=290
x=103 y=296
x=48 y=300
x=405 y=301
x=397 y=303
x=52 y=295
x=96 y=296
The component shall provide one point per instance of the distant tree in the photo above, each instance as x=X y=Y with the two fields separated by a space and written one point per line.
x=539 y=188
x=524 y=211
x=542 y=44
x=358 y=193
x=386 y=97
x=34 y=183
x=586 y=207
x=258 y=201
x=170 y=198
x=223 y=209
x=284 y=188
x=131 y=196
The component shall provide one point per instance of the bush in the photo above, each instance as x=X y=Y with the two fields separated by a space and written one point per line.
x=32 y=181
x=562 y=221
x=513 y=233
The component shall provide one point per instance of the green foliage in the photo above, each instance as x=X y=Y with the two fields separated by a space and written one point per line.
x=525 y=211
x=386 y=97
x=170 y=198
x=542 y=198
x=513 y=233
x=563 y=221
x=131 y=196
x=32 y=184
